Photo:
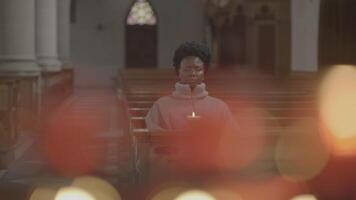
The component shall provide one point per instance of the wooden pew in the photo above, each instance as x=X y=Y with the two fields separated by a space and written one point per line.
x=149 y=87
x=162 y=157
x=284 y=101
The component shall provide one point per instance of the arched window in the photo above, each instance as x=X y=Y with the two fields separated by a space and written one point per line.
x=141 y=35
x=141 y=13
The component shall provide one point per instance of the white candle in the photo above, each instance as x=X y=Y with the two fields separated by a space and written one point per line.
x=193 y=116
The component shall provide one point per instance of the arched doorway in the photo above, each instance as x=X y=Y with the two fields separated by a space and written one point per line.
x=337 y=42
x=227 y=21
x=141 y=36
x=266 y=37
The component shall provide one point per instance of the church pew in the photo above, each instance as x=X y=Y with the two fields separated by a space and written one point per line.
x=268 y=98
x=282 y=110
x=160 y=155
x=271 y=121
x=214 y=74
x=278 y=108
x=272 y=103
x=281 y=101
x=263 y=103
x=232 y=97
x=278 y=111
x=245 y=87
x=144 y=83
x=144 y=88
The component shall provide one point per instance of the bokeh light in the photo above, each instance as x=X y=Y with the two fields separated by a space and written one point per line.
x=304 y=197
x=272 y=187
x=195 y=195
x=43 y=194
x=185 y=192
x=72 y=146
x=251 y=138
x=337 y=108
x=73 y=193
x=224 y=194
x=300 y=152
x=97 y=187
x=169 y=193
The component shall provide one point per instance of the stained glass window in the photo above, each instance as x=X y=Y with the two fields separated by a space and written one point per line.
x=141 y=13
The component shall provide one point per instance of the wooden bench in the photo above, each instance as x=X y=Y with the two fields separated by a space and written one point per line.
x=282 y=102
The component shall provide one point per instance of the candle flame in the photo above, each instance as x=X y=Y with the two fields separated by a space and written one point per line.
x=193 y=114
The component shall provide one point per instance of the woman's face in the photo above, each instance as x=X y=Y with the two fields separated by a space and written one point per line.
x=191 y=71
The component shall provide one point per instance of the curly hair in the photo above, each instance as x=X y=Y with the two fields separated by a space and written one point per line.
x=191 y=49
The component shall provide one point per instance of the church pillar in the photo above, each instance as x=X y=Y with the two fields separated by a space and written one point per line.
x=53 y=52
x=46 y=37
x=19 y=75
x=305 y=27
x=18 y=32
x=64 y=33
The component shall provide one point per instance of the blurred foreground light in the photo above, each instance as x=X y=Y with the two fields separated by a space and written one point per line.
x=73 y=193
x=43 y=194
x=98 y=188
x=232 y=150
x=337 y=108
x=300 y=152
x=274 y=188
x=169 y=193
x=224 y=194
x=305 y=197
x=195 y=195
x=72 y=146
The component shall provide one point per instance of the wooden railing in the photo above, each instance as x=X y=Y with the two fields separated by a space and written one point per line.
x=9 y=105
x=24 y=104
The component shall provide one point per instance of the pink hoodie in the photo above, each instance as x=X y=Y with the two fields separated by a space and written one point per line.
x=170 y=113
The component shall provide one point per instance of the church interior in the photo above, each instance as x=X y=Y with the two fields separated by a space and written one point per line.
x=78 y=77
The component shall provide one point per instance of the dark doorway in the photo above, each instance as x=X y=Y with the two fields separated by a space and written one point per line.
x=232 y=46
x=141 y=46
x=141 y=35
x=267 y=47
x=229 y=35
x=337 y=30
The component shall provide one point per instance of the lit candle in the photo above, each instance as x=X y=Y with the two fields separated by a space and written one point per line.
x=193 y=116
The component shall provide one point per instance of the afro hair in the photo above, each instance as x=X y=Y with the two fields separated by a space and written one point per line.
x=191 y=49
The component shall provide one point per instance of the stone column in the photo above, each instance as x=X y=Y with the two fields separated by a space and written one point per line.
x=18 y=35
x=64 y=33
x=18 y=65
x=46 y=37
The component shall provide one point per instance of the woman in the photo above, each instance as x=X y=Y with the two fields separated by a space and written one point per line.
x=190 y=103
